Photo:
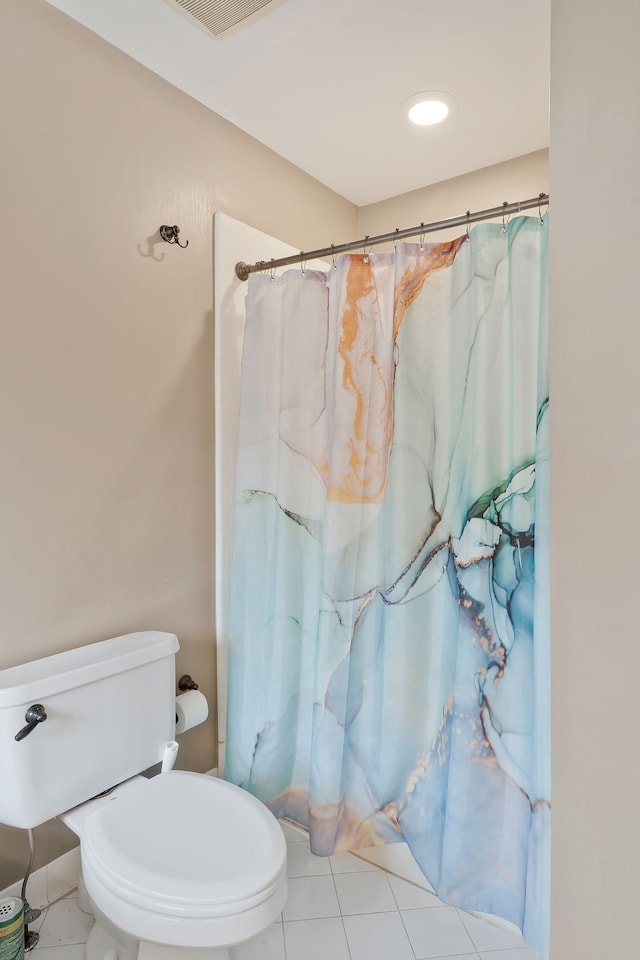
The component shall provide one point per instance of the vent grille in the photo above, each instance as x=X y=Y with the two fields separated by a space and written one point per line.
x=222 y=16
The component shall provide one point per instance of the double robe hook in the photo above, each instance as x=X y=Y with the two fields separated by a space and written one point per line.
x=171 y=234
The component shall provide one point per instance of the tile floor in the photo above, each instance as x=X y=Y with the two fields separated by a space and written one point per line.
x=339 y=908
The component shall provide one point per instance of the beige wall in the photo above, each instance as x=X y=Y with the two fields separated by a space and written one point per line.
x=106 y=389
x=106 y=349
x=595 y=458
x=513 y=180
x=106 y=369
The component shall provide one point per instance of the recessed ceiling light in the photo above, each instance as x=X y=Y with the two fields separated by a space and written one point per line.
x=432 y=106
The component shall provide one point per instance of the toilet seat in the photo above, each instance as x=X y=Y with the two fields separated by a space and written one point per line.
x=185 y=859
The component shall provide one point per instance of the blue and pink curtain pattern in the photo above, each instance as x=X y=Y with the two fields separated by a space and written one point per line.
x=389 y=657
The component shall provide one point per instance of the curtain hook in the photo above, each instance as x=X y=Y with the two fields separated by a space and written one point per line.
x=272 y=272
x=334 y=260
x=541 y=197
x=504 y=224
x=365 y=255
x=421 y=244
x=303 y=263
x=468 y=227
x=395 y=242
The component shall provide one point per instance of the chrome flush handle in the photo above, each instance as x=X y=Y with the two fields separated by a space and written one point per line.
x=35 y=714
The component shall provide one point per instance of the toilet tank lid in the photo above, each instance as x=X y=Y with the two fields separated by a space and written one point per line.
x=33 y=681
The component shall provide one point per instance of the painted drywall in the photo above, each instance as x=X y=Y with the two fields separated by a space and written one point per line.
x=512 y=180
x=106 y=356
x=106 y=371
x=595 y=464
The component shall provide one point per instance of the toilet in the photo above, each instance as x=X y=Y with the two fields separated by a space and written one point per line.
x=179 y=865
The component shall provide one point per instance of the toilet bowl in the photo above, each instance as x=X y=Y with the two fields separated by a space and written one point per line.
x=183 y=860
x=179 y=866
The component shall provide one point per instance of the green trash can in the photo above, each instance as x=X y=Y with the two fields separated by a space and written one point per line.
x=11 y=929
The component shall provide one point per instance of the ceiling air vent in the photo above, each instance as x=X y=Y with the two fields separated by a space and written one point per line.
x=221 y=17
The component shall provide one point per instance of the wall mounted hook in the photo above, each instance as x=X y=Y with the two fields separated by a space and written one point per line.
x=171 y=234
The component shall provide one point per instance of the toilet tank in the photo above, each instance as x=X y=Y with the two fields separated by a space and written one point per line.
x=110 y=711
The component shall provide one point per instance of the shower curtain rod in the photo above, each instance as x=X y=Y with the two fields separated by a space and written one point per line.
x=244 y=269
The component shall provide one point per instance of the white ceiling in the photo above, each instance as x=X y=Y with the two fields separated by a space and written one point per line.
x=321 y=82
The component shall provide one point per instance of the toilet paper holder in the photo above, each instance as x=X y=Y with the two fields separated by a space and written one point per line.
x=186 y=683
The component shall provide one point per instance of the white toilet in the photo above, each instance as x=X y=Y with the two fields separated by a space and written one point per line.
x=181 y=865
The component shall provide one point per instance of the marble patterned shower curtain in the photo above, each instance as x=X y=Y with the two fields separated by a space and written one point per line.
x=389 y=657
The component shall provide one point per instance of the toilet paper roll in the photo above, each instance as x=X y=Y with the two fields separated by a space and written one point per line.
x=191 y=709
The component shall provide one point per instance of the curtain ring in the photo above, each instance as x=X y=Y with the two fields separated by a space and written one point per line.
x=468 y=227
x=272 y=272
x=421 y=244
x=504 y=224
x=334 y=260
x=541 y=197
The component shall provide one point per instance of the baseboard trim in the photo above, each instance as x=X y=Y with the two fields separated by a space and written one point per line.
x=51 y=882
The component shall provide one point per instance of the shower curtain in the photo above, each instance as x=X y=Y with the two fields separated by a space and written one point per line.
x=389 y=657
